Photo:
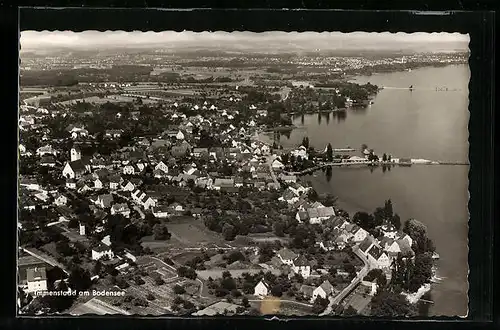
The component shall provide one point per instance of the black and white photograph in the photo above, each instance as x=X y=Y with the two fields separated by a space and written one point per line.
x=243 y=173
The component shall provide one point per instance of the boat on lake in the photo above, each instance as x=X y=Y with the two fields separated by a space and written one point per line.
x=435 y=256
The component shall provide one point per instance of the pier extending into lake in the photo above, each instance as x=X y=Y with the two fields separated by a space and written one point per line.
x=369 y=163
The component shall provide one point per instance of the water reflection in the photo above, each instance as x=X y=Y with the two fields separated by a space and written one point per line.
x=302 y=119
x=286 y=133
x=328 y=173
x=327 y=118
x=319 y=118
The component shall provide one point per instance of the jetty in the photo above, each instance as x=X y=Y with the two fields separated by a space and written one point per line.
x=417 y=162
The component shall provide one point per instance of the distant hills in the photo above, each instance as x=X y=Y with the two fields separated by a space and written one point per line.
x=224 y=43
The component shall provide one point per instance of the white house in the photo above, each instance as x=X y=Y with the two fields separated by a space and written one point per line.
x=129 y=169
x=37 y=279
x=277 y=165
x=61 y=200
x=75 y=169
x=148 y=203
x=161 y=211
x=300 y=152
x=390 y=245
x=379 y=257
x=261 y=290
x=75 y=154
x=100 y=251
x=301 y=266
x=46 y=150
x=359 y=234
x=129 y=186
x=324 y=291
x=162 y=166
x=179 y=136
x=98 y=184
x=71 y=184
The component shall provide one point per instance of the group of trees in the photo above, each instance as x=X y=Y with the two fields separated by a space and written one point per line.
x=381 y=215
x=186 y=272
x=378 y=276
x=410 y=275
x=387 y=303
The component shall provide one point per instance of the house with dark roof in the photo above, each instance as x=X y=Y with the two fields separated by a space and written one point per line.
x=101 y=251
x=302 y=216
x=75 y=169
x=301 y=266
x=358 y=233
x=104 y=200
x=289 y=196
x=366 y=244
x=318 y=214
x=379 y=257
x=222 y=183
x=307 y=291
x=48 y=160
x=286 y=256
x=121 y=208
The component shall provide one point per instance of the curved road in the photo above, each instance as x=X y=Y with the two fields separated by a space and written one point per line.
x=359 y=277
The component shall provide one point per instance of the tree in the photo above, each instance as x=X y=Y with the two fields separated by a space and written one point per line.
x=384 y=157
x=277 y=290
x=160 y=232
x=266 y=253
x=396 y=221
x=305 y=142
x=228 y=283
x=418 y=232
x=179 y=289
x=319 y=305
x=364 y=220
x=388 y=210
x=187 y=272
x=389 y=304
x=329 y=153
x=278 y=228
x=235 y=256
x=229 y=232
x=245 y=302
x=79 y=279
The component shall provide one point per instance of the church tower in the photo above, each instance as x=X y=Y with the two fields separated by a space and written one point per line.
x=76 y=154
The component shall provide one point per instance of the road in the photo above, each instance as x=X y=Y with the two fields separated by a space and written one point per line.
x=359 y=277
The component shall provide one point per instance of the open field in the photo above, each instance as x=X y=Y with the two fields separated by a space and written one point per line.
x=192 y=232
x=217 y=273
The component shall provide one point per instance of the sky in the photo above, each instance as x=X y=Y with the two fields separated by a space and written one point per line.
x=45 y=40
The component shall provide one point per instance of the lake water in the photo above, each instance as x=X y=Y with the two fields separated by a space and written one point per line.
x=423 y=123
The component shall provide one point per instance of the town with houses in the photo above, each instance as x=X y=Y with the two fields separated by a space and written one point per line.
x=146 y=205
